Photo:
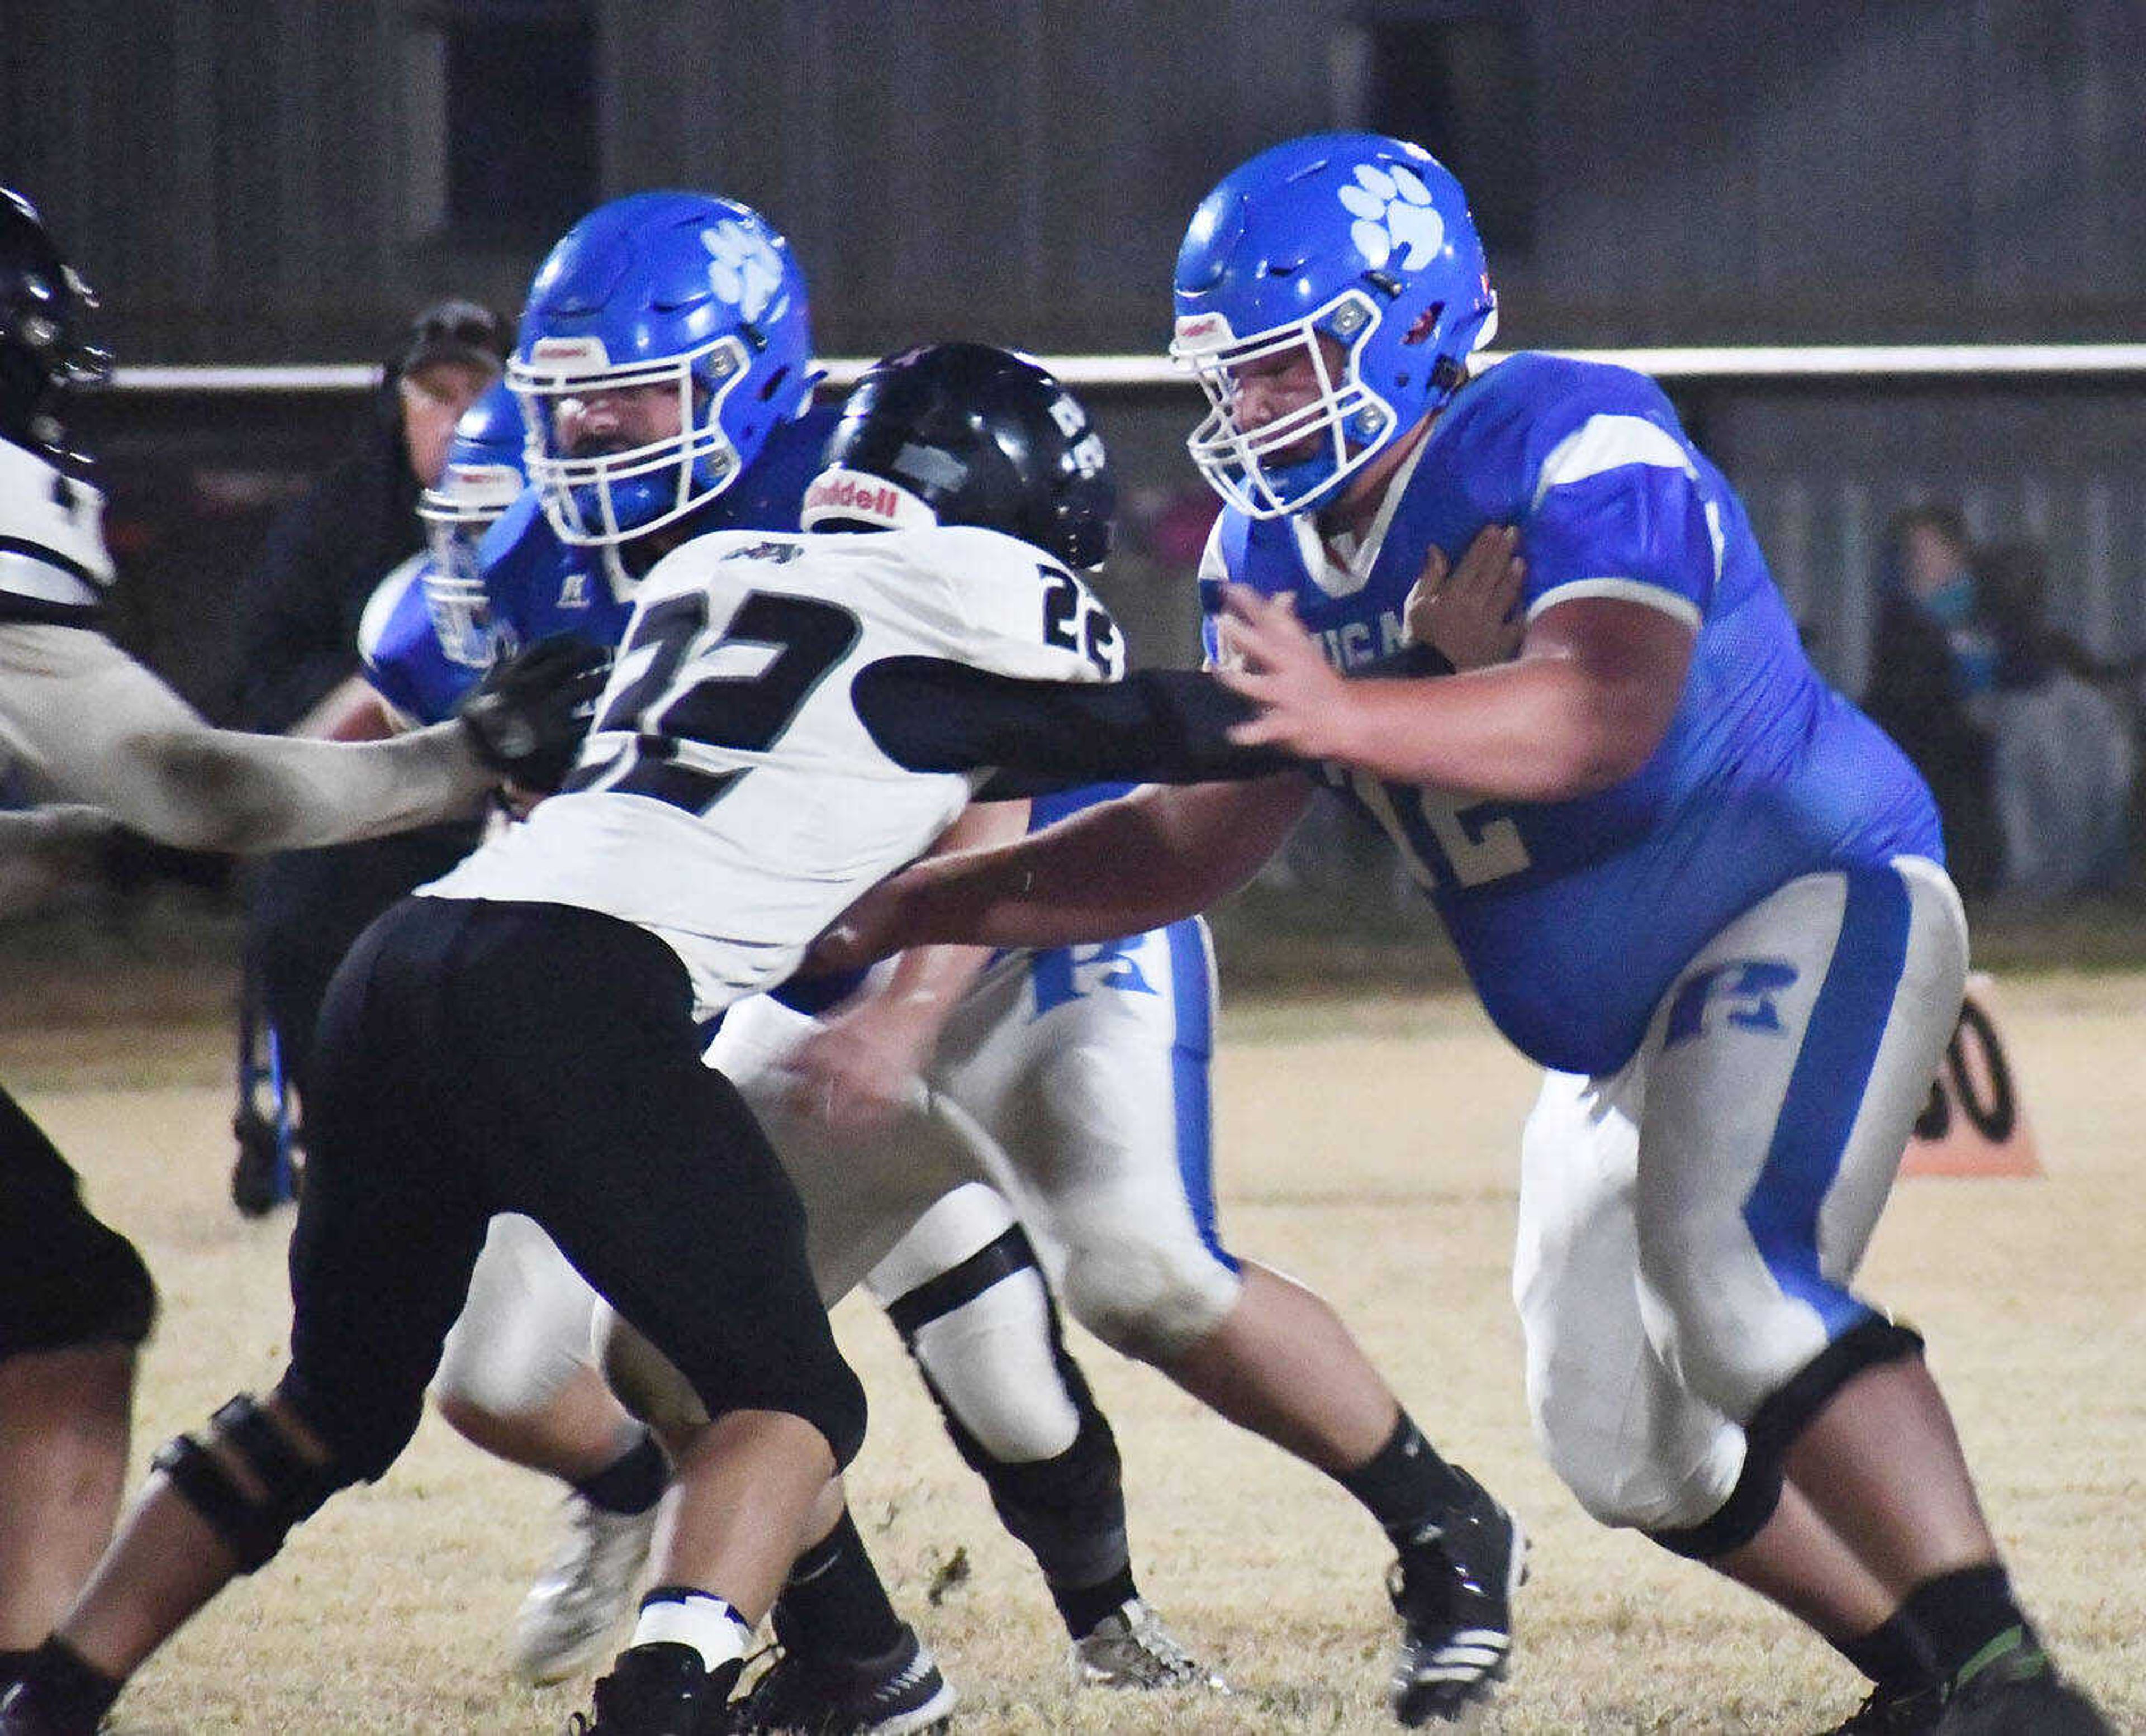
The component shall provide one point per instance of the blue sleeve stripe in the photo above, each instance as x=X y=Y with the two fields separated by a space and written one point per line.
x=1192 y=994
x=1628 y=591
x=1826 y=1091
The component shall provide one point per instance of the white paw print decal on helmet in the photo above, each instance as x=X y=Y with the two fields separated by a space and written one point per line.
x=744 y=269
x=1393 y=210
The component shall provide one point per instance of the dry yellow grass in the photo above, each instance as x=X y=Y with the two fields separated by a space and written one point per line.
x=1373 y=1159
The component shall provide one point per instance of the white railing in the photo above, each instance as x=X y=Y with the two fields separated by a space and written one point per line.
x=1724 y=362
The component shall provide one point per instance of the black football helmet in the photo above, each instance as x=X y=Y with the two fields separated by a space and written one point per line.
x=42 y=352
x=968 y=434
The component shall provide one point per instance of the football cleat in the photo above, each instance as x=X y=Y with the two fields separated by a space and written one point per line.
x=1129 y=1647
x=2013 y=1689
x=1894 y=1712
x=1453 y=1589
x=900 y=1690
x=581 y=1596
x=659 y=1689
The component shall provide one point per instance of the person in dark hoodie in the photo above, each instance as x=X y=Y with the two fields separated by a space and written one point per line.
x=1933 y=663
x=297 y=618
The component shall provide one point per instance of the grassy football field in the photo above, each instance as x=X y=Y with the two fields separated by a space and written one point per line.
x=1366 y=1146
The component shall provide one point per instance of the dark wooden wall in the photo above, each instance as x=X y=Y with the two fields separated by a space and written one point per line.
x=237 y=175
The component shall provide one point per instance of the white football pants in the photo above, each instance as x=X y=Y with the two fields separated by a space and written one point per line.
x=1688 y=1225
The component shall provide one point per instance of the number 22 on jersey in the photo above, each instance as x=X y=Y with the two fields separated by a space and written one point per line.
x=741 y=693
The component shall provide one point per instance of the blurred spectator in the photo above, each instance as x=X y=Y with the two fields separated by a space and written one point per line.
x=1934 y=663
x=297 y=620
x=296 y=645
x=2064 y=756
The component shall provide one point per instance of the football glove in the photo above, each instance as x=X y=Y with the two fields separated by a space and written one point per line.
x=527 y=717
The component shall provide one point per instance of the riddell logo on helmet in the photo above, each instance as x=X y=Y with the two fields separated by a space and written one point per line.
x=1204 y=331
x=855 y=497
x=568 y=356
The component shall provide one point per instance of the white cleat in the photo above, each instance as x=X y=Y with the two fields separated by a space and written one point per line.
x=1129 y=1647
x=565 y=1622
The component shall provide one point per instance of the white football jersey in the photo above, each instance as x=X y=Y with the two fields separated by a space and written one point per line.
x=729 y=798
x=53 y=555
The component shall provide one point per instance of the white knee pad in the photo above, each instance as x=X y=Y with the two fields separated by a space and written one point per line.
x=992 y=1361
x=1152 y=1299
x=524 y=1331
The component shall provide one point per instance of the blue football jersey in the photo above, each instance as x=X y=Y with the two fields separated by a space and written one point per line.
x=1574 y=917
x=421 y=662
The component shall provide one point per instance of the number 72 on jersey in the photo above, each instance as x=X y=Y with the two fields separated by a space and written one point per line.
x=1443 y=845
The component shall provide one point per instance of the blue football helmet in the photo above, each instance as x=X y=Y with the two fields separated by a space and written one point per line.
x=481 y=480
x=1351 y=237
x=662 y=289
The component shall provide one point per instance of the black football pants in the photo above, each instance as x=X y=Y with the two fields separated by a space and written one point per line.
x=67 y=1279
x=475 y=1058
x=305 y=907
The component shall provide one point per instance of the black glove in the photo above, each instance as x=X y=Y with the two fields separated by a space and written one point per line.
x=527 y=716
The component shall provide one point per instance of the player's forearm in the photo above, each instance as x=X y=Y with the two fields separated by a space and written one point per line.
x=1535 y=732
x=220 y=790
x=1154 y=727
x=90 y=724
x=1118 y=869
x=927 y=981
x=57 y=826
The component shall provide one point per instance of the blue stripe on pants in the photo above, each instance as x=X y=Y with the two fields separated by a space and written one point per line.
x=1826 y=1090
x=1193 y=1047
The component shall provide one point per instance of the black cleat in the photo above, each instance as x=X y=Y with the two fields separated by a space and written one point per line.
x=659 y=1689
x=899 y=1691
x=2016 y=1691
x=1453 y=1589
x=1894 y=1712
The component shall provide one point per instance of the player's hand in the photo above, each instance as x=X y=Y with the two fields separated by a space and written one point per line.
x=860 y=1069
x=1304 y=706
x=1471 y=617
x=527 y=717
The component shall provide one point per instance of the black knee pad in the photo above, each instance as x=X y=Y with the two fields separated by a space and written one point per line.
x=1772 y=1429
x=1738 y=1519
x=958 y=1286
x=251 y=1525
x=1774 y=1426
